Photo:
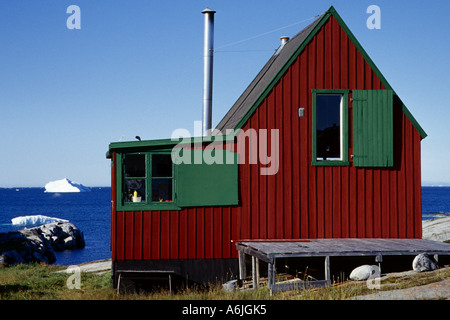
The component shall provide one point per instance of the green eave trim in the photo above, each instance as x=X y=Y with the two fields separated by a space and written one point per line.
x=283 y=70
x=375 y=69
x=165 y=143
x=330 y=12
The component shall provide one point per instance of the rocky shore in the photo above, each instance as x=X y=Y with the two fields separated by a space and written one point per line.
x=437 y=229
x=39 y=244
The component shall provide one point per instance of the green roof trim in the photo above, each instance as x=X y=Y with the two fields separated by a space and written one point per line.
x=165 y=143
x=283 y=70
x=372 y=65
x=330 y=12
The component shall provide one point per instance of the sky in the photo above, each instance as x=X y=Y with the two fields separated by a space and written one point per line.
x=135 y=67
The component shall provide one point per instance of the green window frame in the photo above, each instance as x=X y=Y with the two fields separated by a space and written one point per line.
x=134 y=166
x=155 y=189
x=191 y=184
x=161 y=177
x=317 y=154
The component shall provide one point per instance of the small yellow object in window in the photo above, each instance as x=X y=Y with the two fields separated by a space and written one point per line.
x=135 y=194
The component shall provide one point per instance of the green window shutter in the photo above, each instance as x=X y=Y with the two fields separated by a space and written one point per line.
x=200 y=183
x=373 y=128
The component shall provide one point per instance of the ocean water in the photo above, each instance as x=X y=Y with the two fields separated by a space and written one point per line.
x=91 y=213
x=435 y=202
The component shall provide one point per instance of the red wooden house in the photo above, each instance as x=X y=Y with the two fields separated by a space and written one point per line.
x=346 y=154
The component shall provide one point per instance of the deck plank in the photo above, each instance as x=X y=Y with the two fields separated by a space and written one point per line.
x=343 y=247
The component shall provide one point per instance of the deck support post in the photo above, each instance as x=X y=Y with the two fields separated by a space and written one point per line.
x=241 y=258
x=327 y=269
x=271 y=275
x=379 y=259
x=255 y=272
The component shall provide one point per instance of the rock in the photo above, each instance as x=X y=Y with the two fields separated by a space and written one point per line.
x=230 y=286
x=437 y=229
x=3 y=262
x=22 y=247
x=423 y=262
x=39 y=257
x=363 y=272
x=58 y=232
x=69 y=243
x=10 y=257
x=39 y=244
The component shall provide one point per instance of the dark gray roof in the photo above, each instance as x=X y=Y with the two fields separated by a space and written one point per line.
x=263 y=79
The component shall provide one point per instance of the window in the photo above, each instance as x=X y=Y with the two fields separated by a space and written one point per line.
x=372 y=127
x=134 y=177
x=162 y=176
x=145 y=178
x=328 y=126
x=330 y=132
x=152 y=181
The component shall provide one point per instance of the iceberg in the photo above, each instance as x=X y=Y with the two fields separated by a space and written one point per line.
x=37 y=219
x=65 y=185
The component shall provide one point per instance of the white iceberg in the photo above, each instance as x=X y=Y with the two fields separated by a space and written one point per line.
x=65 y=185
x=37 y=219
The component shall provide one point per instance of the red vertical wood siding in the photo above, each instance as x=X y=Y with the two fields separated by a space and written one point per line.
x=300 y=201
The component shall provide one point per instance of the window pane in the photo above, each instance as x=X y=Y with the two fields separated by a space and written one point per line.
x=161 y=165
x=328 y=122
x=134 y=185
x=162 y=190
x=134 y=165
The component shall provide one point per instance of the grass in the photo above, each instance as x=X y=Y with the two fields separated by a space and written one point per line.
x=41 y=282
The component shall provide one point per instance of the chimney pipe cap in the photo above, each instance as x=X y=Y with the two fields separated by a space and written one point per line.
x=208 y=10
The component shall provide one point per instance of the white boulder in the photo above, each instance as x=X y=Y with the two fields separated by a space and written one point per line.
x=62 y=236
x=423 y=262
x=363 y=272
x=230 y=286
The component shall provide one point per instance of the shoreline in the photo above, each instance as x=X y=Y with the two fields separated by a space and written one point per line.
x=437 y=229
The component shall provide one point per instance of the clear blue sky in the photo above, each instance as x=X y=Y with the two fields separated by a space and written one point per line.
x=135 y=68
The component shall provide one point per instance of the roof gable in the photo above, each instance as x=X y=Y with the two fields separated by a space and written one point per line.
x=277 y=66
x=265 y=79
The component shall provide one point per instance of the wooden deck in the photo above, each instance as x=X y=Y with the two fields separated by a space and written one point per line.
x=271 y=250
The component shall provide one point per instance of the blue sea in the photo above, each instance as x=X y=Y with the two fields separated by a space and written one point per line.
x=435 y=202
x=91 y=213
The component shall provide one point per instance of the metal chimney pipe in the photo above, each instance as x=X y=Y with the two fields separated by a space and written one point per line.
x=283 y=40
x=208 y=51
